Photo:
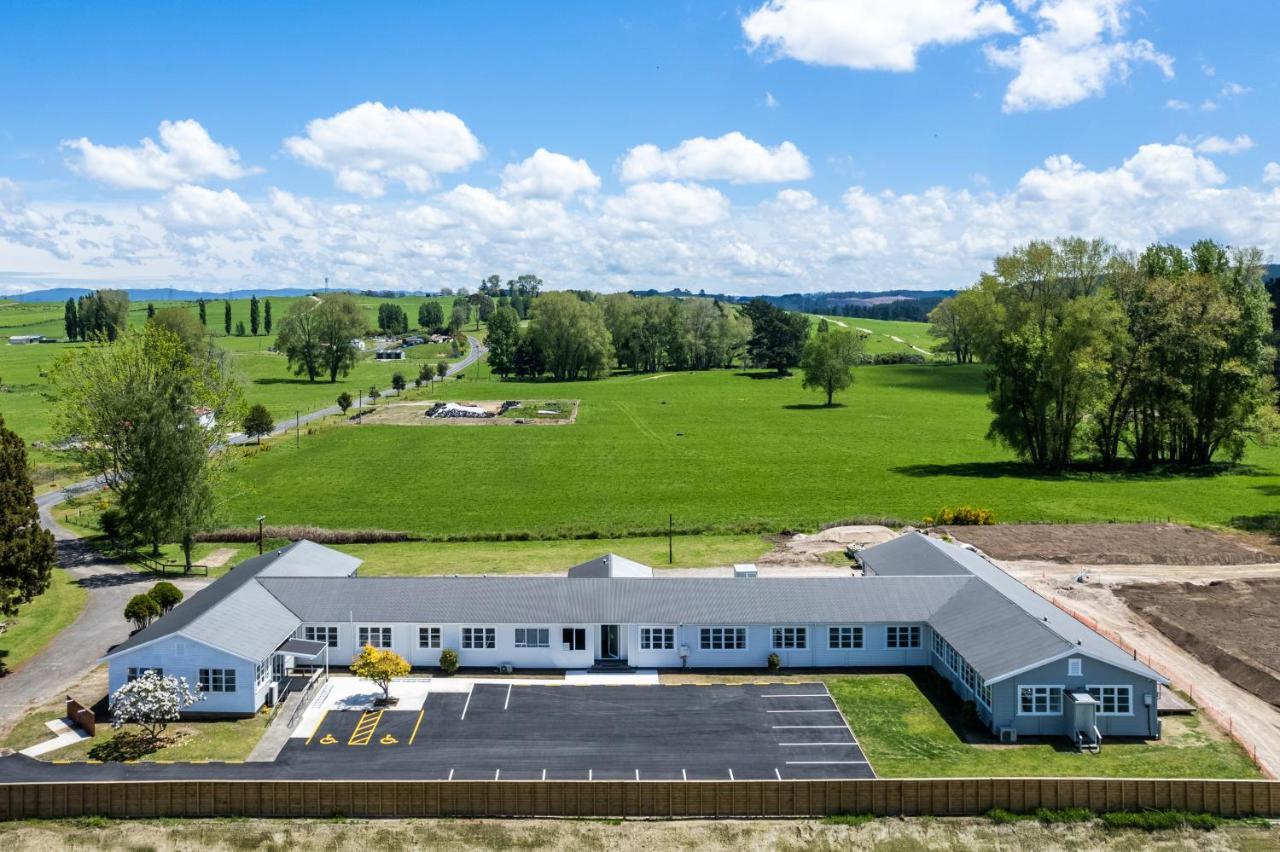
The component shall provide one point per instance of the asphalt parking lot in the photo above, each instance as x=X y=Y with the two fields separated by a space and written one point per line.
x=513 y=732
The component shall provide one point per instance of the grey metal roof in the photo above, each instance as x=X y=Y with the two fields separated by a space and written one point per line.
x=910 y=555
x=563 y=600
x=994 y=634
x=234 y=613
x=302 y=647
x=611 y=565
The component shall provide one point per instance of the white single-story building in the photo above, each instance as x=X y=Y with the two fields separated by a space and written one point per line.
x=1028 y=667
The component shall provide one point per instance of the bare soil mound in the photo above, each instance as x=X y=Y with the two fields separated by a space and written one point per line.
x=1111 y=544
x=1233 y=626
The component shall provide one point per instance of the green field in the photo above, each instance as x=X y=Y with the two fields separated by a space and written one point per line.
x=721 y=451
x=881 y=334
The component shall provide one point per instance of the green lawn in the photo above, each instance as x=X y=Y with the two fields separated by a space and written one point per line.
x=880 y=334
x=38 y=621
x=905 y=726
x=723 y=452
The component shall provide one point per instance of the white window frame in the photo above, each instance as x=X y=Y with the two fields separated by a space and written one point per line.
x=366 y=631
x=984 y=693
x=1075 y=667
x=1049 y=689
x=656 y=638
x=789 y=637
x=541 y=637
x=1116 y=690
x=262 y=672
x=479 y=638
x=221 y=681
x=711 y=637
x=136 y=672
x=326 y=633
x=430 y=636
x=894 y=632
x=854 y=634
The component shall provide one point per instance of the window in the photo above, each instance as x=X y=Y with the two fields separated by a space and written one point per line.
x=903 y=637
x=327 y=635
x=479 y=637
x=1039 y=700
x=262 y=672
x=984 y=692
x=790 y=637
x=938 y=643
x=218 y=680
x=844 y=637
x=657 y=638
x=533 y=637
x=574 y=638
x=135 y=673
x=428 y=637
x=1113 y=700
x=1073 y=667
x=723 y=638
x=378 y=637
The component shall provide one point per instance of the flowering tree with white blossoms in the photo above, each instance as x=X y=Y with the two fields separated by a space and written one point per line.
x=151 y=702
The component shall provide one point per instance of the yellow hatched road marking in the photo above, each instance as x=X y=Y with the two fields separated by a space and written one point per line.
x=364 y=729
x=416 y=724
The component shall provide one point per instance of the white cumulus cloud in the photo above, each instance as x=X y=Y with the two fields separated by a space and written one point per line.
x=370 y=144
x=190 y=209
x=869 y=34
x=1219 y=145
x=545 y=174
x=1075 y=54
x=1271 y=172
x=185 y=154
x=668 y=203
x=732 y=157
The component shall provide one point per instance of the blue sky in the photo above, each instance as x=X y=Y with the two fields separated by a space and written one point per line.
x=845 y=145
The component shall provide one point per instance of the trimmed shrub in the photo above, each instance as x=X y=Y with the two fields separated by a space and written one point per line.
x=166 y=595
x=961 y=516
x=775 y=663
x=141 y=610
x=448 y=661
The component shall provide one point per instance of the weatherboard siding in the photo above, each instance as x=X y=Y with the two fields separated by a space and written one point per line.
x=183 y=657
x=1142 y=722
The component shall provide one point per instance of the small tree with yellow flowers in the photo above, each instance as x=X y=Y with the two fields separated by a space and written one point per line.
x=380 y=665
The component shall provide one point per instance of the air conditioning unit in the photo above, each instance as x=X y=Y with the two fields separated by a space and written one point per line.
x=1008 y=735
x=505 y=668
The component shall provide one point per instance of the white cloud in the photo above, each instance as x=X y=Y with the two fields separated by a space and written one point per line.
x=371 y=144
x=548 y=175
x=770 y=101
x=1234 y=90
x=1208 y=106
x=796 y=199
x=869 y=34
x=190 y=209
x=1174 y=103
x=1075 y=54
x=185 y=154
x=1271 y=173
x=1219 y=145
x=299 y=211
x=732 y=157
x=679 y=204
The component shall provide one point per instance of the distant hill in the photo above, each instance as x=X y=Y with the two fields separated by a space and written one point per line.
x=142 y=294
x=878 y=304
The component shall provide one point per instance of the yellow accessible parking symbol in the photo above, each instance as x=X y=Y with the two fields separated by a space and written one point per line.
x=387 y=739
x=328 y=739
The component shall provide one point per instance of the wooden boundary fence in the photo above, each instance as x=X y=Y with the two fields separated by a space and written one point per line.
x=663 y=799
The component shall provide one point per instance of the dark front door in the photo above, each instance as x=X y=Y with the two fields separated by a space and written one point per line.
x=608 y=642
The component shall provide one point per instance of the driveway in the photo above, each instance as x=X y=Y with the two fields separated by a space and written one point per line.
x=74 y=652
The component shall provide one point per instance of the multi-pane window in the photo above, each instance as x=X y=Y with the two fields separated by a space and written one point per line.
x=657 y=638
x=218 y=680
x=428 y=637
x=262 y=672
x=1113 y=700
x=1073 y=667
x=984 y=692
x=533 y=637
x=574 y=638
x=1039 y=700
x=378 y=637
x=844 y=637
x=938 y=643
x=790 y=637
x=327 y=634
x=479 y=637
x=135 y=673
x=969 y=676
x=723 y=638
x=903 y=637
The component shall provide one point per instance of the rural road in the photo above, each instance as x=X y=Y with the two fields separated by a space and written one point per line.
x=75 y=651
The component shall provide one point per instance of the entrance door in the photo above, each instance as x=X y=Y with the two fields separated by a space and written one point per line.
x=608 y=642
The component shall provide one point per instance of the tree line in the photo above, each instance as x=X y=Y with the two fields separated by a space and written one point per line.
x=1144 y=359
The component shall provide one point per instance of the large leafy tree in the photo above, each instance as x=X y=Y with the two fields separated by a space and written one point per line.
x=777 y=336
x=132 y=413
x=571 y=334
x=430 y=316
x=380 y=666
x=959 y=321
x=70 y=320
x=339 y=320
x=504 y=337
x=254 y=317
x=299 y=337
x=828 y=361
x=151 y=702
x=26 y=549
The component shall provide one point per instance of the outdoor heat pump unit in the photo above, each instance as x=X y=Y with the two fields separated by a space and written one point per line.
x=1008 y=735
x=684 y=656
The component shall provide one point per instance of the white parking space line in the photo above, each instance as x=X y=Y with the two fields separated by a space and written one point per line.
x=797 y=695
x=466 y=705
x=544 y=775
x=637 y=774
x=508 y=701
x=823 y=762
x=496 y=774
x=450 y=774
x=589 y=773
x=778 y=772
x=684 y=776
x=731 y=778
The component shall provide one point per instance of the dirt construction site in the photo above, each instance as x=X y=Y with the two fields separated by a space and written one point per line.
x=1200 y=606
